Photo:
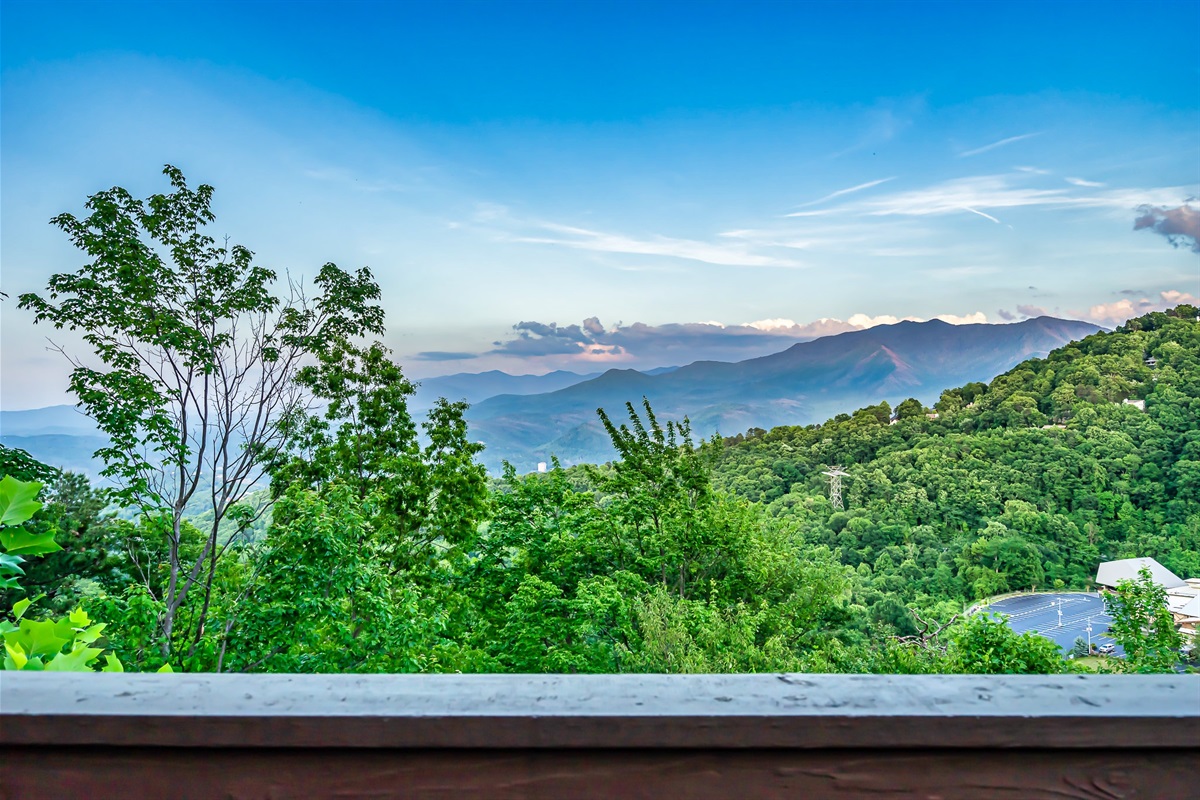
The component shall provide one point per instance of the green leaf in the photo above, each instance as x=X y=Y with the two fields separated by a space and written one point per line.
x=164 y=668
x=17 y=503
x=21 y=606
x=79 y=618
x=16 y=658
x=75 y=661
x=40 y=637
x=9 y=564
x=21 y=541
x=91 y=634
x=113 y=665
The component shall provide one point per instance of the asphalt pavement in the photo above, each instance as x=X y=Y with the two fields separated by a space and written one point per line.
x=1040 y=613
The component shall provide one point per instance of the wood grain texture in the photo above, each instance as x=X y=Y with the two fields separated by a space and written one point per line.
x=184 y=774
x=598 y=736
x=602 y=711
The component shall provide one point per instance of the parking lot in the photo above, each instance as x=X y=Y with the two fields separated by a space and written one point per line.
x=1040 y=613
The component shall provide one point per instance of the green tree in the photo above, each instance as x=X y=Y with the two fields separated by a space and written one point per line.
x=431 y=498
x=1142 y=625
x=910 y=408
x=984 y=645
x=192 y=363
x=660 y=491
x=323 y=599
x=21 y=466
x=85 y=565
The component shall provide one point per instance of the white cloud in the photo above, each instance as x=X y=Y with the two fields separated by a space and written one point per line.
x=1119 y=311
x=1082 y=182
x=1173 y=298
x=722 y=253
x=980 y=213
x=1001 y=143
x=992 y=192
x=851 y=190
x=963 y=194
x=771 y=324
x=978 y=318
x=864 y=321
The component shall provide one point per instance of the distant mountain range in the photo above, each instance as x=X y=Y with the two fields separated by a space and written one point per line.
x=525 y=419
x=476 y=386
x=809 y=382
x=66 y=420
x=57 y=435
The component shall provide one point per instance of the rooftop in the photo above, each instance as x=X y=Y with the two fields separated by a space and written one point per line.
x=1111 y=573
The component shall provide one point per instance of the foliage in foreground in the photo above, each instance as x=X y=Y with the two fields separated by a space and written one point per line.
x=64 y=644
x=387 y=551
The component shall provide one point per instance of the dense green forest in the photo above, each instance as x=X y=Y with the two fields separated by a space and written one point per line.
x=719 y=556
x=381 y=544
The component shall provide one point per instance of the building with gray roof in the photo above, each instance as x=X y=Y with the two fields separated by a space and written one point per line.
x=1111 y=573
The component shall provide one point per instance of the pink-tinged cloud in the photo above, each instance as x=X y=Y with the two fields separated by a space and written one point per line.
x=1119 y=311
x=679 y=343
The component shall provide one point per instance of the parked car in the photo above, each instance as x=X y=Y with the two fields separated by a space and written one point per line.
x=1107 y=649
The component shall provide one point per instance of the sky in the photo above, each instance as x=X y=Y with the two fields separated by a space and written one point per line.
x=581 y=186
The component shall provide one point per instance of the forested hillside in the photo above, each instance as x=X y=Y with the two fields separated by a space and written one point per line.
x=806 y=383
x=1030 y=481
x=382 y=555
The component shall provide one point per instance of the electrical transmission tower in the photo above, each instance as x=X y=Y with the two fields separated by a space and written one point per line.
x=835 y=487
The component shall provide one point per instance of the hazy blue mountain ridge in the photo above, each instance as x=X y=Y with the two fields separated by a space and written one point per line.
x=528 y=418
x=62 y=419
x=476 y=386
x=809 y=382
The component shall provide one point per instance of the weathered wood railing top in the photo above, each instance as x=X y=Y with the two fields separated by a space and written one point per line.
x=600 y=711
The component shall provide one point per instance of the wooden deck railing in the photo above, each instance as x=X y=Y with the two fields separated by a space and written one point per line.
x=604 y=736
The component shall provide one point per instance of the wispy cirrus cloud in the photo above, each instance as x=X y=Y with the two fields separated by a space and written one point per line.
x=842 y=192
x=726 y=249
x=1001 y=143
x=963 y=194
x=841 y=222
x=982 y=214
x=981 y=194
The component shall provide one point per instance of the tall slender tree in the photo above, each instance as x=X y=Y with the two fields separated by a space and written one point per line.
x=192 y=364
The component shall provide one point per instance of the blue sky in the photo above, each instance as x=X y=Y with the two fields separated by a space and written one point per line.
x=573 y=185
